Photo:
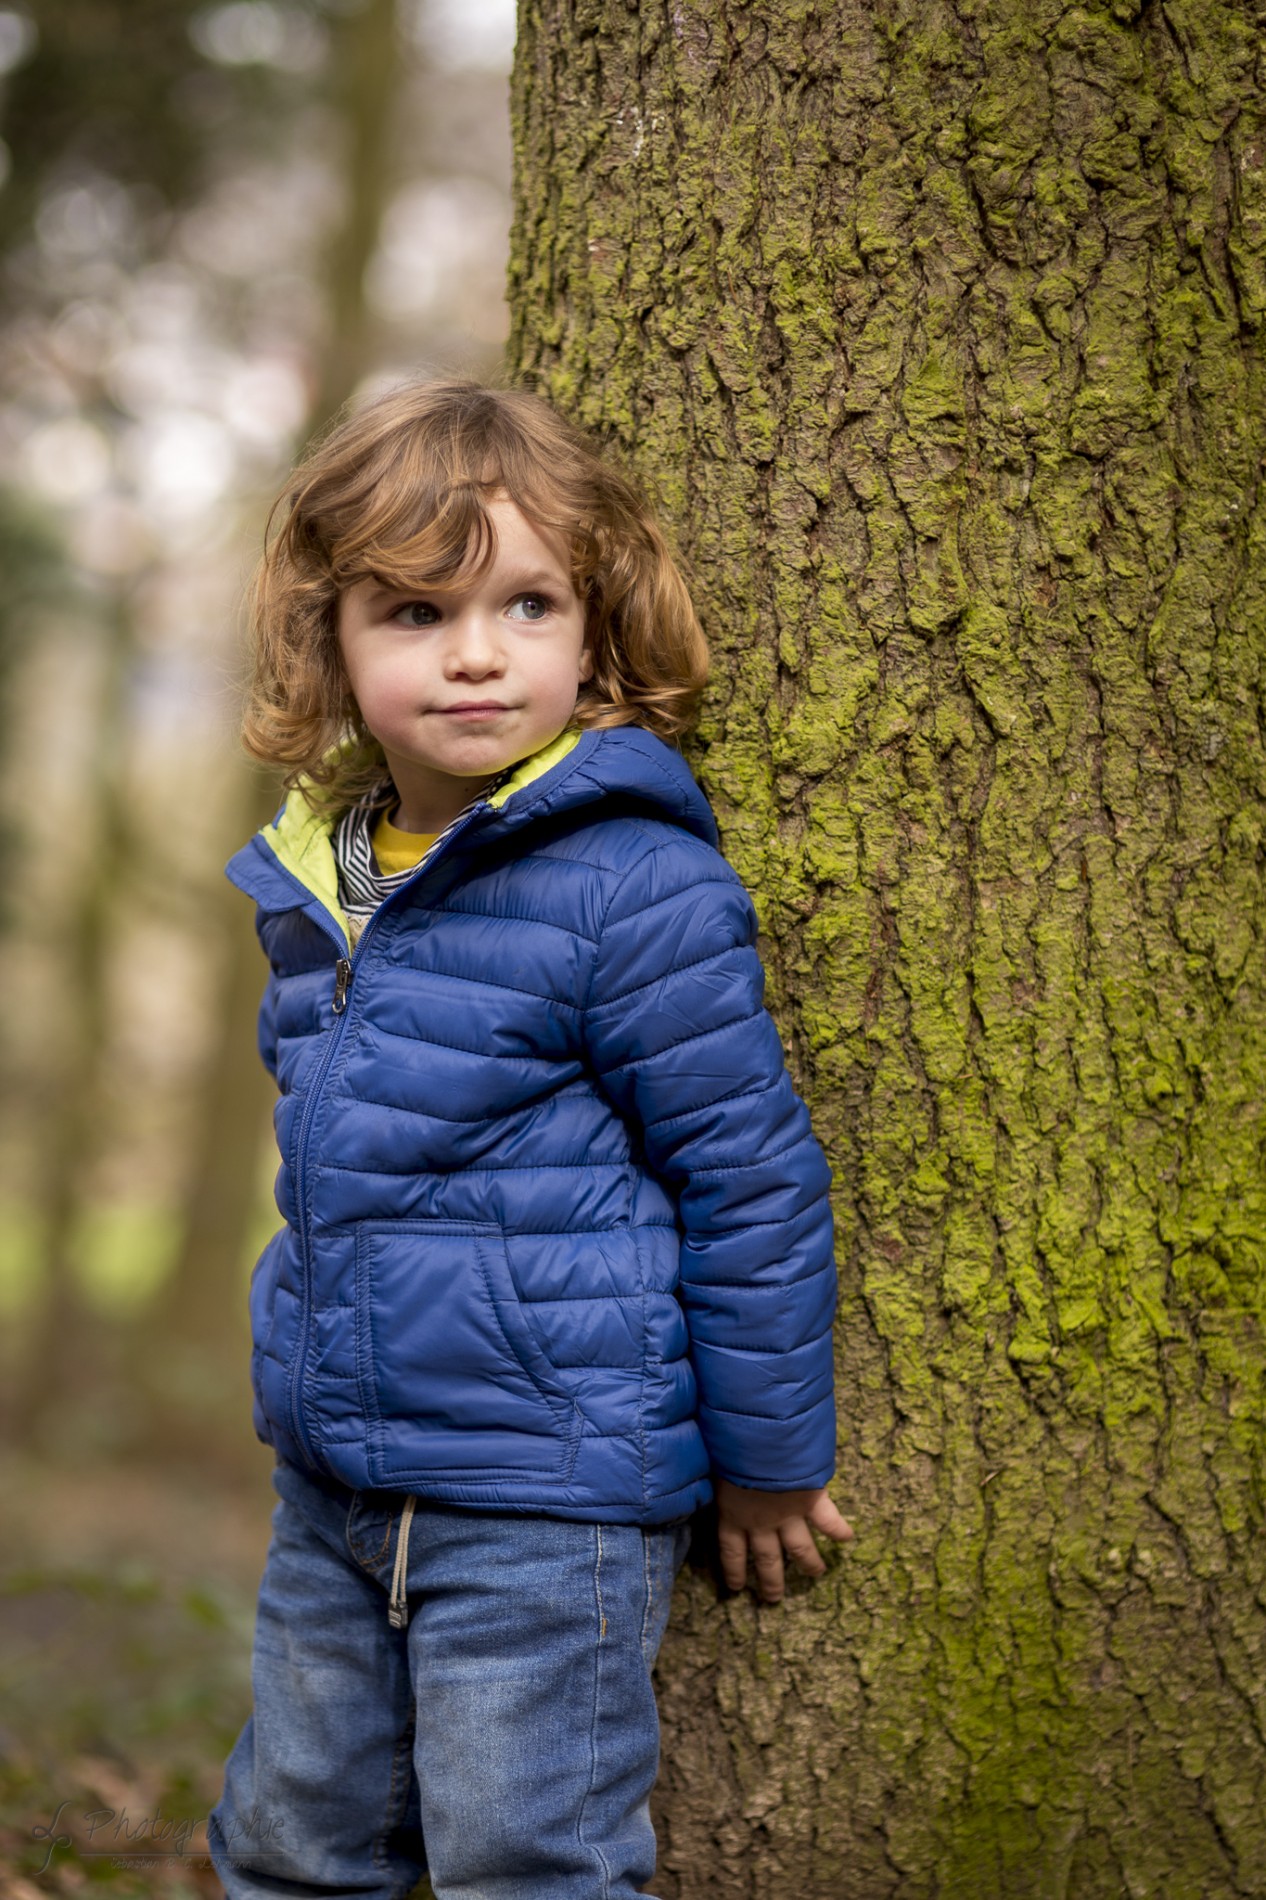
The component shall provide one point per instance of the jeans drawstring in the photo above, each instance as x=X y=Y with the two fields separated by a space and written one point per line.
x=398 y=1607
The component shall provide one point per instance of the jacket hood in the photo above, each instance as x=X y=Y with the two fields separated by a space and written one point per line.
x=623 y=763
x=290 y=863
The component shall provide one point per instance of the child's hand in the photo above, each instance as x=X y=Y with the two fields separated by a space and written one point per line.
x=767 y=1523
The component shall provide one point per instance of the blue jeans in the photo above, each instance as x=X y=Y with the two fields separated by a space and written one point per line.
x=505 y=1741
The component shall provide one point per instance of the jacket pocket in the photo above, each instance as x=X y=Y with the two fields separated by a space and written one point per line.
x=452 y=1380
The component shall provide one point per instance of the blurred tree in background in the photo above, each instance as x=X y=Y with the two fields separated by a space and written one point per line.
x=33 y=563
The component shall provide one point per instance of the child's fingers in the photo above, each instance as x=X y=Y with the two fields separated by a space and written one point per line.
x=732 y=1544
x=826 y=1517
x=767 y=1558
x=799 y=1545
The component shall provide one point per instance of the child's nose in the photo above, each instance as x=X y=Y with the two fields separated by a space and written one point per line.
x=473 y=648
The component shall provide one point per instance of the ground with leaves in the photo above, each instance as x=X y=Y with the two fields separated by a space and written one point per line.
x=126 y=1602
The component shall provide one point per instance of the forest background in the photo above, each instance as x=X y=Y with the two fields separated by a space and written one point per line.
x=937 y=326
x=216 y=223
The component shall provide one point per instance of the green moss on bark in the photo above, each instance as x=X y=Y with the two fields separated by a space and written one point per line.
x=939 y=332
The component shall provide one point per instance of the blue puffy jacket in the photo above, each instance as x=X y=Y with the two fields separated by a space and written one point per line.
x=556 y=1229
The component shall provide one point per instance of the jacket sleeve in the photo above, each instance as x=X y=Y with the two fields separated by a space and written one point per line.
x=687 y=1053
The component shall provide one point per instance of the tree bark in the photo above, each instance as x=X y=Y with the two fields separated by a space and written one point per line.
x=938 y=329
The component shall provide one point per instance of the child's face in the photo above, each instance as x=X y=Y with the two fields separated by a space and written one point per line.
x=461 y=681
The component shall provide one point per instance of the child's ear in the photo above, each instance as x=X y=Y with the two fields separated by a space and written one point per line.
x=586 y=664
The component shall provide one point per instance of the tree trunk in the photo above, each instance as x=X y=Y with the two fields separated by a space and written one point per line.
x=938 y=330
x=66 y=1346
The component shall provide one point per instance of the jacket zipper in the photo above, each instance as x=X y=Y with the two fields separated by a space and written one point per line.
x=344 y=971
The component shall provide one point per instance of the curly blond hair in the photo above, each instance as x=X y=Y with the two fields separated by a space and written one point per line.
x=396 y=490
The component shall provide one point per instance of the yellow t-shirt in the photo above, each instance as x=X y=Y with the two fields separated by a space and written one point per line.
x=397 y=850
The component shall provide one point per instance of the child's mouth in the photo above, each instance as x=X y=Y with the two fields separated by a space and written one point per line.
x=474 y=710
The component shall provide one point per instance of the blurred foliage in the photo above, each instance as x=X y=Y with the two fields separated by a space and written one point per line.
x=119 y=88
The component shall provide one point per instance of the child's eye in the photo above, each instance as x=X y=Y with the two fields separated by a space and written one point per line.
x=415 y=613
x=530 y=607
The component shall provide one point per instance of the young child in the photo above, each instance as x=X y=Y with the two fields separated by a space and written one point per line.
x=556 y=1264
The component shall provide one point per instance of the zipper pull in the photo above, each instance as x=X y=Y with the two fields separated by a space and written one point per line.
x=342 y=983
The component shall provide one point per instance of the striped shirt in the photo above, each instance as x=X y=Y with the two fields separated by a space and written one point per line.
x=362 y=887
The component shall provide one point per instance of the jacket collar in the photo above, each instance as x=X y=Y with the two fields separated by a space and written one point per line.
x=289 y=863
